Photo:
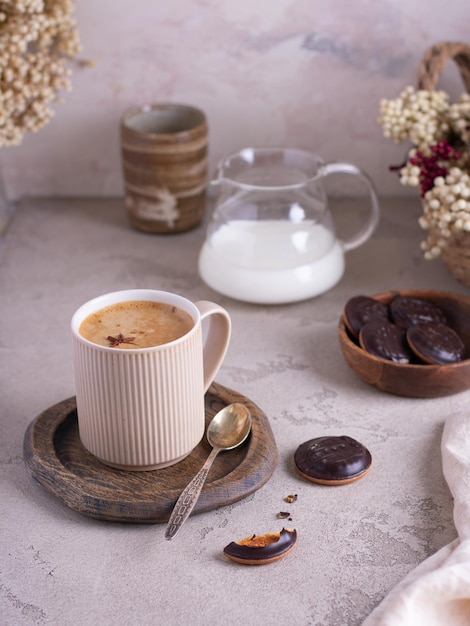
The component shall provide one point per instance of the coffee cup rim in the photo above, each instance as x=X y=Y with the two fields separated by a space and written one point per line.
x=196 y=119
x=129 y=295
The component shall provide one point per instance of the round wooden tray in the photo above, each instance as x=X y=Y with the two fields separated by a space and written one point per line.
x=58 y=461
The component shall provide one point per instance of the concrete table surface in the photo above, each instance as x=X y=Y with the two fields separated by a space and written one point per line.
x=355 y=542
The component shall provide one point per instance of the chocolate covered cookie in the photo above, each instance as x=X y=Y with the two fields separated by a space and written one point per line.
x=332 y=460
x=406 y=312
x=262 y=549
x=385 y=340
x=360 y=310
x=435 y=343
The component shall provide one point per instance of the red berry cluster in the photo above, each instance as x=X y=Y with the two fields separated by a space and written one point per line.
x=430 y=166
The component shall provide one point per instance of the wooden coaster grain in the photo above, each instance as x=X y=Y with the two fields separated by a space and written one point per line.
x=58 y=461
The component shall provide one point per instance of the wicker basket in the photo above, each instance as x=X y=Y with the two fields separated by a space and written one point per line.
x=456 y=255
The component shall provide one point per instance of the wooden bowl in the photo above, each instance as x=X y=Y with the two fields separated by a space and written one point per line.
x=415 y=381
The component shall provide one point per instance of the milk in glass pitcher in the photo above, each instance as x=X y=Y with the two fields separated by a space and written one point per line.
x=271 y=239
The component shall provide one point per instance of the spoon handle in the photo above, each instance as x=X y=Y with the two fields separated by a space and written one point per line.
x=188 y=498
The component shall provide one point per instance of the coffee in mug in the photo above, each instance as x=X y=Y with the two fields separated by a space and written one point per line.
x=141 y=407
x=136 y=324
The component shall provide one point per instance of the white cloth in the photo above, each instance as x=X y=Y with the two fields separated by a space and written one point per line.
x=437 y=592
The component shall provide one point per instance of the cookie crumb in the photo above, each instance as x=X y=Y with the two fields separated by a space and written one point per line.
x=290 y=498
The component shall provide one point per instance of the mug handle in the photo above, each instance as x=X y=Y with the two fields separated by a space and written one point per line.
x=366 y=231
x=217 y=339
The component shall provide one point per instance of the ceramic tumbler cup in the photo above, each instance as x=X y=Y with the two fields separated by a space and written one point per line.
x=143 y=408
x=164 y=159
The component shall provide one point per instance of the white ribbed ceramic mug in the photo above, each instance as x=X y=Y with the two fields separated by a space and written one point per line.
x=143 y=408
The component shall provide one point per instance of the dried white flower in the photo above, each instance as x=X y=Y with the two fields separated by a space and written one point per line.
x=419 y=116
x=37 y=39
x=446 y=211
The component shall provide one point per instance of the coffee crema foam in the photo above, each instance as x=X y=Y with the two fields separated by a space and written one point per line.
x=136 y=324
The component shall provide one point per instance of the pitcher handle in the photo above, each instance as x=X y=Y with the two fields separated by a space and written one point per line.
x=217 y=338
x=366 y=231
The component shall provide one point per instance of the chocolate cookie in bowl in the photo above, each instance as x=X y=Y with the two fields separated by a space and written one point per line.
x=419 y=349
x=406 y=311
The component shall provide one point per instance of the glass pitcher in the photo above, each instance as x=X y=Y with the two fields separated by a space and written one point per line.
x=271 y=239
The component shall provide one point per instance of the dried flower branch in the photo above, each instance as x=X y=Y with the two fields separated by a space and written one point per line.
x=439 y=161
x=37 y=40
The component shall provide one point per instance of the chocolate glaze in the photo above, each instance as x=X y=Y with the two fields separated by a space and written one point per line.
x=385 y=340
x=332 y=459
x=268 y=552
x=360 y=310
x=435 y=342
x=406 y=312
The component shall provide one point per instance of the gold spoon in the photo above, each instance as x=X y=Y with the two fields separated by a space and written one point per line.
x=228 y=429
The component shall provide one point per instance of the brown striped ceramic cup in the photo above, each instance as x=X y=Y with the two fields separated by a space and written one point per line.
x=164 y=158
